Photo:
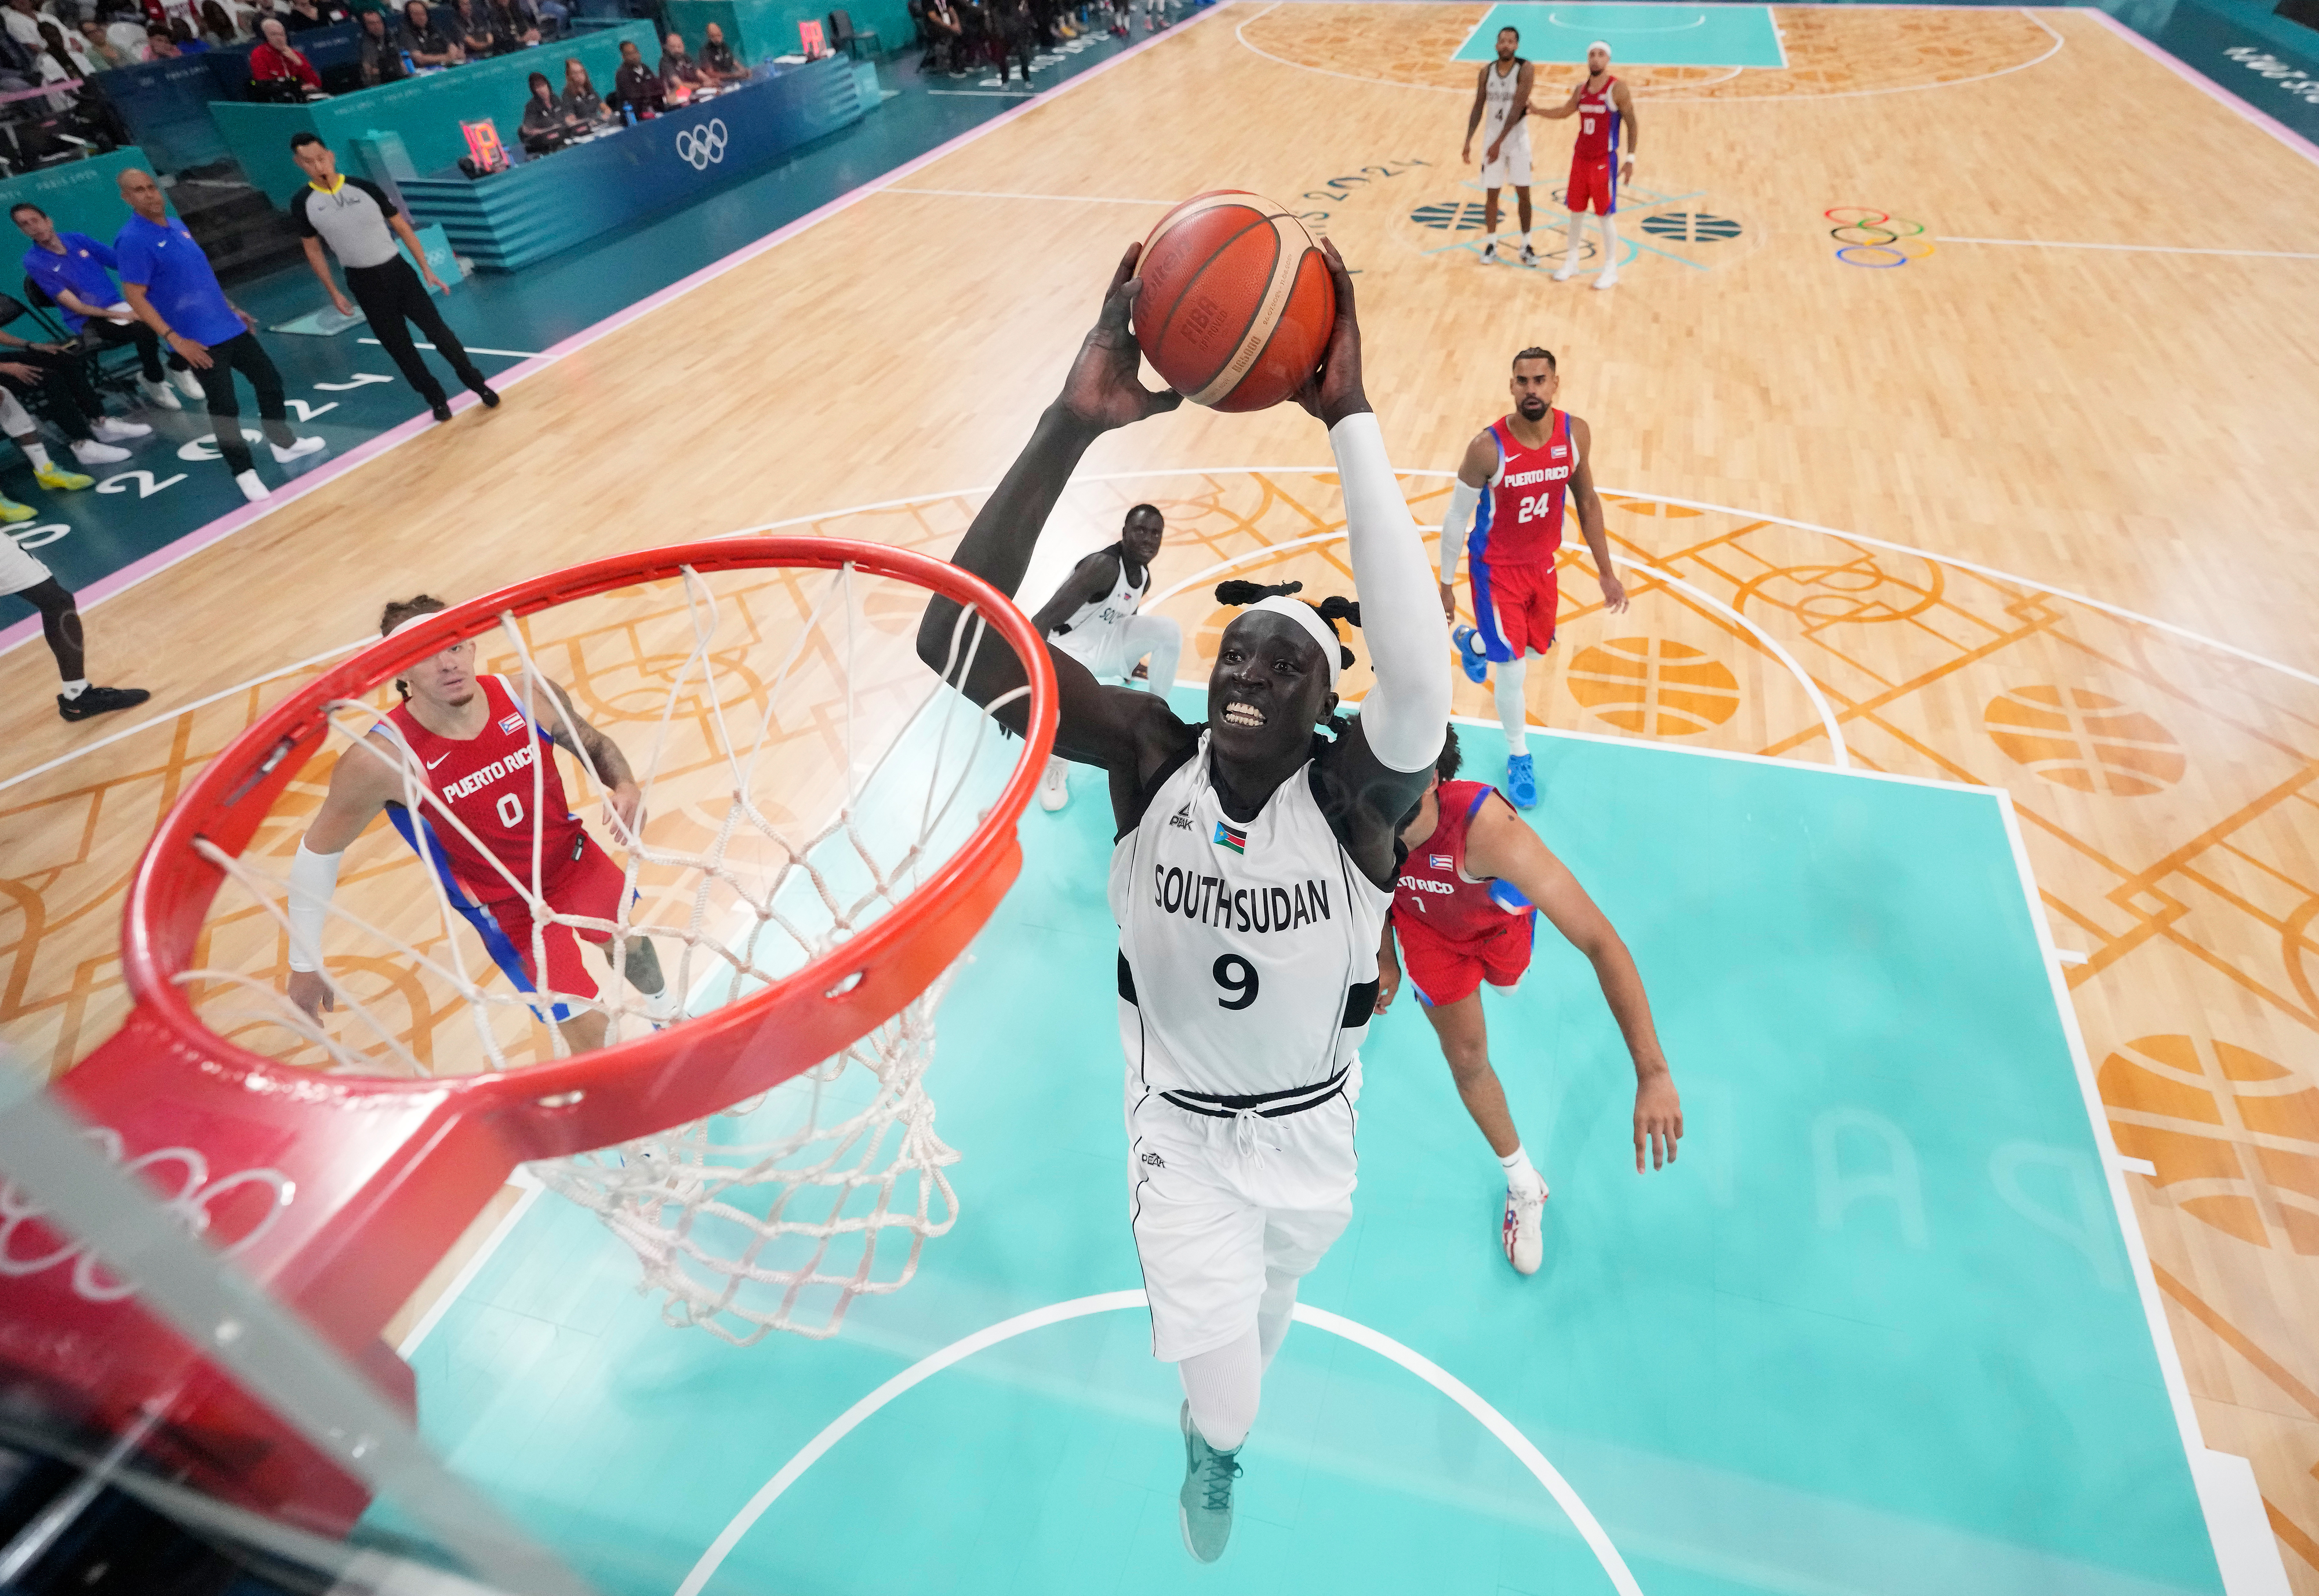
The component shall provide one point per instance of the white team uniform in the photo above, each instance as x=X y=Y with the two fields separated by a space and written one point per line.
x=18 y=568
x=1247 y=978
x=1511 y=168
x=1108 y=637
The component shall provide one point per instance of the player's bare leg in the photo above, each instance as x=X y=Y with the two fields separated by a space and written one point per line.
x=1489 y=227
x=1465 y=1045
x=1522 y=214
x=1569 y=267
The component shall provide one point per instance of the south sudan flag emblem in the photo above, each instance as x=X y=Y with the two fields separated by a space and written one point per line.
x=1237 y=841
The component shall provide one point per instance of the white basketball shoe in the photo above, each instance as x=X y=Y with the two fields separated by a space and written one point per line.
x=1525 y=1227
x=1055 y=786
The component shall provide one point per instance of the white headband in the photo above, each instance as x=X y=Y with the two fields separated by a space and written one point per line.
x=1598 y=44
x=1308 y=618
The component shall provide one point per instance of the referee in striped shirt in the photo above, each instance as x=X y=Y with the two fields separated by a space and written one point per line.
x=359 y=223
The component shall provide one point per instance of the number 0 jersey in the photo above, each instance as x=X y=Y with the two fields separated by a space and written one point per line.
x=1520 y=519
x=1248 y=954
x=486 y=781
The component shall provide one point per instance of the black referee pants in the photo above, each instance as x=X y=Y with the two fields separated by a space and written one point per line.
x=390 y=295
x=241 y=353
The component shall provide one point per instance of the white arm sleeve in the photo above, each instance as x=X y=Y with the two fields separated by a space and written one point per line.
x=1407 y=712
x=313 y=878
x=1455 y=526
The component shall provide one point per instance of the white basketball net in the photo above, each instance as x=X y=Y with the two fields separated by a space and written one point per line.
x=771 y=1215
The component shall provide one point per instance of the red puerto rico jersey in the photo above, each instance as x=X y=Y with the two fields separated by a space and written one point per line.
x=1598 y=124
x=1434 y=891
x=1520 y=519
x=486 y=781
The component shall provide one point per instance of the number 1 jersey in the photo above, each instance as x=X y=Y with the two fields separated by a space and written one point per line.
x=1248 y=954
x=1520 y=518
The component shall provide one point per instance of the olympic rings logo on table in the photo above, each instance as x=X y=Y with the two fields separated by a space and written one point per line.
x=196 y=1192
x=697 y=147
x=1862 y=232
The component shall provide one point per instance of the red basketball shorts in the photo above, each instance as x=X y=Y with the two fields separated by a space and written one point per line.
x=1443 y=971
x=590 y=885
x=1594 y=186
x=1514 y=608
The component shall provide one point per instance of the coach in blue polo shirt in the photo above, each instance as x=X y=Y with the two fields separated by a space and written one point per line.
x=175 y=293
x=71 y=269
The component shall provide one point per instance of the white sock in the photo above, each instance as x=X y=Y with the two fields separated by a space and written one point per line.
x=1222 y=1387
x=1519 y=1173
x=74 y=689
x=1275 y=1311
x=1610 y=244
x=37 y=454
x=1513 y=709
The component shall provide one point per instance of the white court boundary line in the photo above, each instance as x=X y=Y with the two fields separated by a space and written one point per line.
x=2131 y=248
x=1110 y=1302
x=1075 y=199
x=1683 y=95
x=1990 y=572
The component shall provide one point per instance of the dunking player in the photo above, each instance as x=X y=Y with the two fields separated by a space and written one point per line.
x=1093 y=617
x=1605 y=111
x=1502 y=94
x=1466 y=911
x=1255 y=862
x=1516 y=471
x=478 y=738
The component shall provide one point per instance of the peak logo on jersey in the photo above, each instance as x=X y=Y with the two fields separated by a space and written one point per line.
x=512 y=723
x=1155 y=1160
x=1237 y=841
x=1181 y=819
x=1441 y=862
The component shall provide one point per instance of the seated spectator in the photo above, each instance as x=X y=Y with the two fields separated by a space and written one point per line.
x=515 y=22
x=580 y=100
x=103 y=53
x=61 y=374
x=303 y=14
x=717 y=59
x=554 y=18
x=680 y=76
x=381 y=57
x=70 y=49
x=159 y=46
x=188 y=42
x=635 y=88
x=74 y=270
x=547 y=126
x=217 y=23
x=22 y=18
x=474 y=32
x=427 y=44
x=275 y=61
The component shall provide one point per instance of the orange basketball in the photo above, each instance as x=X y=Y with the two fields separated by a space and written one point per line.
x=1236 y=305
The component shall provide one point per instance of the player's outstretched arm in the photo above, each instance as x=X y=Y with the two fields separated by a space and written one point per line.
x=1114 y=729
x=1500 y=844
x=555 y=714
x=1382 y=765
x=1473 y=476
x=1589 y=516
x=361 y=783
x=1569 y=107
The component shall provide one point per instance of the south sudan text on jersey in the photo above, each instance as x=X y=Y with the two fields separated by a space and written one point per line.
x=1214 y=900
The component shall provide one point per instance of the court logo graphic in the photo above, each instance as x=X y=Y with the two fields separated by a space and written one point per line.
x=698 y=147
x=1654 y=686
x=2084 y=740
x=1877 y=239
x=1677 y=227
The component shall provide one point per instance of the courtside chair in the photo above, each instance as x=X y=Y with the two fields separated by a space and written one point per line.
x=115 y=368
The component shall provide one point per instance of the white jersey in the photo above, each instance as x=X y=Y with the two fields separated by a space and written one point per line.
x=1498 y=90
x=1091 y=631
x=1248 y=954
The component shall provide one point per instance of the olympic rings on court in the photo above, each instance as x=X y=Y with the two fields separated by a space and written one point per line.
x=1878 y=239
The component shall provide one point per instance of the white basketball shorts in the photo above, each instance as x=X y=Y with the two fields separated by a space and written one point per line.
x=1216 y=1209
x=19 y=570
x=1112 y=652
x=1511 y=168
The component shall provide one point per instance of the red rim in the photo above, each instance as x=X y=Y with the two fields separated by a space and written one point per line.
x=174 y=886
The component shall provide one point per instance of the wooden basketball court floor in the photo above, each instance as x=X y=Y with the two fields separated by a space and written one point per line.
x=2021 y=512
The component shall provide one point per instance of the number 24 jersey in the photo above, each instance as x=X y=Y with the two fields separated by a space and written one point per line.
x=1248 y=954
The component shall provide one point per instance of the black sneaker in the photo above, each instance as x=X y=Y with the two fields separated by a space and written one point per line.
x=100 y=701
x=491 y=399
x=442 y=409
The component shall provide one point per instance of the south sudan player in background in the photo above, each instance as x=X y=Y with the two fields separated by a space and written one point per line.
x=1465 y=910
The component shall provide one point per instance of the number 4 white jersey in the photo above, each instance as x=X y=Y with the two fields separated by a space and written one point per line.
x=1248 y=955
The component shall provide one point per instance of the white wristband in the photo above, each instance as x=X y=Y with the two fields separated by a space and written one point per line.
x=313 y=879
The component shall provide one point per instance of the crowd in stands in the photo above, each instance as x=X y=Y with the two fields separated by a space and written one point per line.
x=961 y=36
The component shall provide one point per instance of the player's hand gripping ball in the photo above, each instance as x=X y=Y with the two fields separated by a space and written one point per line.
x=1236 y=305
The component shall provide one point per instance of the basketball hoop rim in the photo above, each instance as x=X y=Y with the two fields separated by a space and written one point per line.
x=174 y=886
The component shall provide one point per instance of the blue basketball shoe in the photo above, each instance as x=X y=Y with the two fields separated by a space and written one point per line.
x=1473 y=653
x=1521 y=782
